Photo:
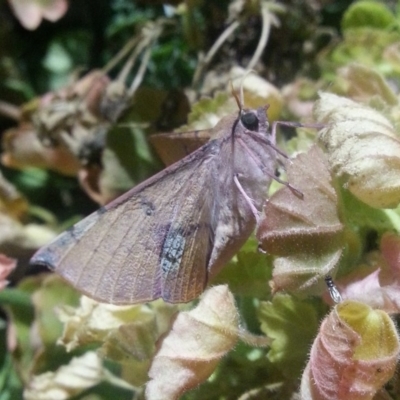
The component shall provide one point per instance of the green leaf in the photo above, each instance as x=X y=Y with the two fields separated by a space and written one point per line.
x=52 y=293
x=368 y=14
x=10 y=384
x=292 y=324
x=248 y=273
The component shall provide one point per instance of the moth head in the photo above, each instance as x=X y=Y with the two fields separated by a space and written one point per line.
x=249 y=120
x=254 y=120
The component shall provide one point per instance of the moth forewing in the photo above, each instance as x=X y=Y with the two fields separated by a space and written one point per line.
x=167 y=236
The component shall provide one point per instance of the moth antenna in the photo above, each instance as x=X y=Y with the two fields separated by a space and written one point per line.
x=240 y=105
x=248 y=72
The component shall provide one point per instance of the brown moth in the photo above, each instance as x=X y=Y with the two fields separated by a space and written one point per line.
x=167 y=236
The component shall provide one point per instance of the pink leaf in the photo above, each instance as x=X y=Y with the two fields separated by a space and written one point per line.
x=353 y=356
x=7 y=265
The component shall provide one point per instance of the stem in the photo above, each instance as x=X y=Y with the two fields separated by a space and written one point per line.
x=218 y=43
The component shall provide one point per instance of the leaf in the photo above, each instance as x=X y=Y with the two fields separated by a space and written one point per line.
x=248 y=273
x=377 y=281
x=305 y=233
x=22 y=148
x=94 y=322
x=7 y=265
x=70 y=380
x=52 y=293
x=207 y=112
x=291 y=324
x=353 y=356
x=368 y=14
x=192 y=349
x=362 y=148
x=367 y=84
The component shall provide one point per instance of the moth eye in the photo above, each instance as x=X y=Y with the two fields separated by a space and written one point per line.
x=249 y=121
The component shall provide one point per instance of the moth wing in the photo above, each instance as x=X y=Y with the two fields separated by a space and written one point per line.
x=154 y=241
x=174 y=146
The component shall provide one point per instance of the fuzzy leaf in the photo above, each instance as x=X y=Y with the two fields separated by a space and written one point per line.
x=362 y=148
x=291 y=324
x=306 y=234
x=377 y=283
x=53 y=292
x=367 y=85
x=94 y=322
x=368 y=13
x=353 y=356
x=7 y=265
x=192 y=349
x=70 y=380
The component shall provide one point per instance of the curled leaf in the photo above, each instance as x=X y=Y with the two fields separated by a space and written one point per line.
x=353 y=356
x=52 y=293
x=305 y=233
x=366 y=84
x=362 y=149
x=192 y=349
x=378 y=283
x=94 y=322
x=70 y=380
x=127 y=334
x=19 y=240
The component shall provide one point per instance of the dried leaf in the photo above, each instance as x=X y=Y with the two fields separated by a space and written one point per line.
x=192 y=349
x=22 y=148
x=353 y=356
x=11 y=201
x=306 y=234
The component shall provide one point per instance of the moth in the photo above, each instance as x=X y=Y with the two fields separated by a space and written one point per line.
x=169 y=235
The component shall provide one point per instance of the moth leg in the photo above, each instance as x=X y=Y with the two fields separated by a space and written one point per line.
x=274 y=125
x=247 y=198
x=296 y=192
x=292 y=125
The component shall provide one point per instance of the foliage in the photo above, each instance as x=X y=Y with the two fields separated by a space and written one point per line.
x=85 y=85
